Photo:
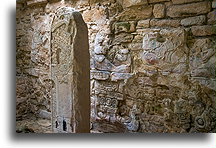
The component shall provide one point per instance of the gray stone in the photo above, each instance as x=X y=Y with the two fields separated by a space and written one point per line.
x=120 y=76
x=121 y=69
x=45 y=114
x=123 y=51
x=104 y=65
x=99 y=58
x=196 y=20
x=99 y=50
x=99 y=75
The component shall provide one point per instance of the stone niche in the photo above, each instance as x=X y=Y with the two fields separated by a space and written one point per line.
x=70 y=71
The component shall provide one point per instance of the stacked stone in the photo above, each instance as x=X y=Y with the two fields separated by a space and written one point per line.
x=152 y=61
x=33 y=59
x=153 y=45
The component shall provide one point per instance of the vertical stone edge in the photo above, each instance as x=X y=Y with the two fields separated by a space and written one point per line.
x=81 y=77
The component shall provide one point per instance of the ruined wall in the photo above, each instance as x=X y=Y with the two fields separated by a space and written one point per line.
x=152 y=62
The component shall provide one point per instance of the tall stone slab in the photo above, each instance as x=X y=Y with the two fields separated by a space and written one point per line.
x=70 y=71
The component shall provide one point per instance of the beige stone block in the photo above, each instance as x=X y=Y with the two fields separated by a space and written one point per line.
x=203 y=30
x=138 y=13
x=143 y=23
x=184 y=1
x=130 y=3
x=159 y=10
x=189 y=9
x=94 y=15
x=36 y=2
x=164 y=23
x=196 y=20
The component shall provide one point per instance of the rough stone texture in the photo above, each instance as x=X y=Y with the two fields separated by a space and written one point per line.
x=143 y=23
x=137 y=13
x=157 y=1
x=124 y=27
x=130 y=3
x=159 y=10
x=147 y=74
x=212 y=17
x=163 y=23
x=196 y=20
x=189 y=9
x=70 y=71
x=36 y=2
x=184 y=1
x=203 y=30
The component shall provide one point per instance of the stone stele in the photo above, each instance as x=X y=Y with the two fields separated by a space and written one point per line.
x=70 y=71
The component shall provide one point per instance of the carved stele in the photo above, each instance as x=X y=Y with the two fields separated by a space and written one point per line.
x=70 y=71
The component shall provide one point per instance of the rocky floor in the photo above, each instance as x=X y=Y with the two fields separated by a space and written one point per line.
x=33 y=125
x=38 y=125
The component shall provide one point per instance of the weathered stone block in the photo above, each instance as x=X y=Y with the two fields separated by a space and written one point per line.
x=138 y=13
x=189 y=9
x=164 y=23
x=157 y=1
x=122 y=69
x=122 y=57
x=102 y=64
x=184 y=1
x=120 y=76
x=203 y=30
x=94 y=15
x=99 y=75
x=212 y=17
x=130 y=3
x=99 y=49
x=123 y=38
x=159 y=11
x=196 y=20
x=45 y=114
x=143 y=23
x=36 y=2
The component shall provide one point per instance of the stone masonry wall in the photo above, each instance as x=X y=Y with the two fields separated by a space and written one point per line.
x=152 y=63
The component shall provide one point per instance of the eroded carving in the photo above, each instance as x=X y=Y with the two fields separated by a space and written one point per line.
x=68 y=71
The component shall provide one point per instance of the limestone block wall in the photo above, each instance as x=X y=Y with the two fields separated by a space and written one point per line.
x=152 y=63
